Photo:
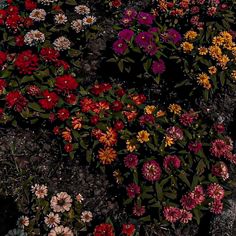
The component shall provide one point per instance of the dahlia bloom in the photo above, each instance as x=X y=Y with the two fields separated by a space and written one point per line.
x=120 y=47
x=133 y=190
x=158 y=67
x=151 y=171
x=61 y=202
x=172 y=214
x=131 y=161
x=186 y=216
x=49 y=101
x=66 y=83
x=171 y=161
x=145 y=18
x=104 y=229
x=138 y=210
x=215 y=191
x=126 y=34
x=195 y=147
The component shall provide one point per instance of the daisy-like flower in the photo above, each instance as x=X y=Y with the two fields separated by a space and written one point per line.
x=23 y=221
x=79 y=198
x=130 y=146
x=186 y=216
x=52 y=220
x=61 y=231
x=61 y=202
x=40 y=191
x=175 y=108
x=138 y=210
x=109 y=138
x=77 y=25
x=202 y=51
x=212 y=70
x=187 y=47
x=86 y=216
x=215 y=191
x=143 y=136
x=149 y=109
x=62 y=43
x=38 y=15
x=204 y=80
x=191 y=35
x=60 y=19
x=107 y=155
x=89 y=20
x=151 y=171
x=33 y=37
x=82 y=9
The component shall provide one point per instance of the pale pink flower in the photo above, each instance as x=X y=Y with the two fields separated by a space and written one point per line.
x=60 y=231
x=23 y=221
x=40 y=191
x=86 y=216
x=61 y=202
x=52 y=220
x=79 y=198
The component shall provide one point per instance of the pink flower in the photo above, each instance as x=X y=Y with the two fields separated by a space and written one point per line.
x=130 y=12
x=126 y=34
x=220 y=169
x=171 y=161
x=145 y=18
x=132 y=190
x=195 y=147
x=143 y=39
x=219 y=148
x=215 y=191
x=138 y=210
x=175 y=133
x=158 y=67
x=120 y=47
x=172 y=214
x=188 y=118
x=186 y=216
x=219 y=128
x=131 y=161
x=199 y=195
x=216 y=207
x=188 y=201
x=61 y=202
x=151 y=170
x=151 y=49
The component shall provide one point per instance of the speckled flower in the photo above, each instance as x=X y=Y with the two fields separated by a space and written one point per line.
x=38 y=15
x=60 y=18
x=172 y=214
x=151 y=171
x=215 y=191
x=40 y=191
x=76 y=25
x=82 y=9
x=61 y=202
x=89 y=20
x=86 y=216
x=34 y=37
x=62 y=43
x=23 y=222
x=52 y=220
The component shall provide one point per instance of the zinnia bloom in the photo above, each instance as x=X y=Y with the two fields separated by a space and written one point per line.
x=216 y=207
x=171 y=161
x=86 y=216
x=145 y=18
x=66 y=83
x=126 y=34
x=109 y=138
x=186 y=216
x=195 y=147
x=175 y=108
x=107 y=155
x=120 y=47
x=172 y=214
x=219 y=148
x=158 y=67
x=133 y=190
x=188 y=201
x=174 y=36
x=49 y=101
x=151 y=171
x=61 y=202
x=143 y=39
x=175 y=133
x=104 y=230
x=131 y=161
x=49 y=54
x=16 y=100
x=40 y=191
x=215 y=191
x=52 y=220
x=61 y=231
x=220 y=169
x=138 y=210
x=143 y=136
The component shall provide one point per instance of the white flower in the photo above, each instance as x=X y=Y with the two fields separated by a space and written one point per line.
x=33 y=37
x=86 y=216
x=62 y=43
x=60 y=18
x=23 y=221
x=76 y=25
x=82 y=10
x=38 y=15
x=40 y=191
x=52 y=220
x=89 y=20
x=79 y=198
x=61 y=230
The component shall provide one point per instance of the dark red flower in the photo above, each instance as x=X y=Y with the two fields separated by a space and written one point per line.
x=219 y=128
x=128 y=229
x=28 y=22
x=68 y=147
x=16 y=100
x=188 y=118
x=86 y=104
x=13 y=22
x=147 y=118
x=104 y=230
x=3 y=15
x=62 y=63
x=63 y=114
x=19 y=39
x=49 y=54
x=30 y=5
x=133 y=190
x=120 y=92
x=131 y=161
x=94 y=120
x=3 y=57
x=100 y=88
x=119 y=125
x=195 y=147
x=116 y=3
x=56 y=130
x=71 y=99
x=3 y=85
x=26 y=62
x=13 y=10
x=49 y=101
x=139 y=99
x=52 y=117
x=171 y=161
x=66 y=83
x=33 y=90
x=117 y=106
x=1 y=112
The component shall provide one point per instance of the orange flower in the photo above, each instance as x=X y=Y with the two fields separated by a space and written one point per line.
x=130 y=115
x=109 y=138
x=130 y=147
x=107 y=155
x=66 y=135
x=76 y=123
x=168 y=141
x=161 y=113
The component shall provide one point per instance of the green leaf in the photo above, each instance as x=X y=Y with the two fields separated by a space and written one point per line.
x=184 y=178
x=71 y=2
x=159 y=191
x=197 y=215
x=35 y=106
x=121 y=65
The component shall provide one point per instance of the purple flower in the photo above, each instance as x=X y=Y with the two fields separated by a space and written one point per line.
x=151 y=49
x=174 y=36
x=153 y=30
x=145 y=18
x=126 y=21
x=126 y=34
x=143 y=39
x=130 y=13
x=158 y=67
x=120 y=47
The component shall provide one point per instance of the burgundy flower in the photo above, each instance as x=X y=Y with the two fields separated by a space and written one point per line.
x=145 y=18
x=187 y=118
x=133 y=190
x=188 y=201
x=219 y=148
x=171 y=161
x=130 y=12
x=195 y=147
x=146 y=119
x=33 y=90
x=117 y=106
x=49 y=54
x=215 y=191
x=158 y=67
x=199 y=195
x=216 y=207
x=120 y=47
x=219 y=128
x=220 y=169
x=151 y=171
x=16 y=100
x=131 y=161
x=68 y=147
x=126 y=34
x=174 y=36
x=175 y=133
x=172 y=214
x=138 y=210
x=151 y=49
x=119 y=125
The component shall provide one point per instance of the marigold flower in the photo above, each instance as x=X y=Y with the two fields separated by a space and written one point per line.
x=168 y=141
x=143 y=136
x=149 y=109
x=218 y=40
x=107 y=155
x=203 y=80
x=212 y=70
x=187 y=47
x=215 y=52
x=191 y=35
x=202 y=51
x=175 y=108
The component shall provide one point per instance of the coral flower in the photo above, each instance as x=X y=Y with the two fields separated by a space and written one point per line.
x=107 y=155
x=61 y=202
x=143 y=136
x=76 y=123
x=109 y=138
x=66 y=135
x=151 y=170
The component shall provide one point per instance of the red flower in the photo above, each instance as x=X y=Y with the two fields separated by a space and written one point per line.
x=87 y=104
x=188 y=201
x=116 y=3
x=26 y=62
x=128 y=229
x=49 y=101
x=52 y=117
x=49 y=54
x=3 y=15
x=19 y=39
x=66 y=83
x=117 y=106
x=220 y=169
x=219 y=148
x=100 y=88
x=17 y=100
x=71 y=99
x=63 y=114
x=119 y=125
x=30 y=5
x=131 y=161
x=188 y=118
x=219 y=128
x=61 y=63
x=138 y=210
x=147 y=118
x=195 y=147
x=120 y=92
x=171 y=161
x=216 y=207
x=1 y=112
x=215 y=191
x=139 y=99
x=13 y=22
x=172 y=214
x=104 y=230
x=68 y=147
x=133 y=190
x=33 y=90
x=186 y=216
x=94 y=120
x=28 y=22
x=3 y=57
x=56 y=130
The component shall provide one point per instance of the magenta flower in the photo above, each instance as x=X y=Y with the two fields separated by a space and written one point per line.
x=126 y=34
x=174 y=36
x=175 y=132
x=171 y=161
x=133 y=190
x=145 y=18
x=158 y=67
x=120 y=47
x=143 y=39
x=131 y=161
x=195 y=147
x=151 y=170
x=151 y=49
x=138 y=210
x=130 y=13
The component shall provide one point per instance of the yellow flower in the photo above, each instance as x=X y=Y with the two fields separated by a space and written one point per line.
x=149 y=109
x=161 y=113
x=218 y=40
x=212 y=70
x=223 y=60
x=191 y=35
x=202 y=51
x=226 y=36
x=215 y=52
x=187 y=47
x=143 y=136
x=130 y=147
x=233 y=75
x=203 y=80
x=168 y=141
x=175 y=108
